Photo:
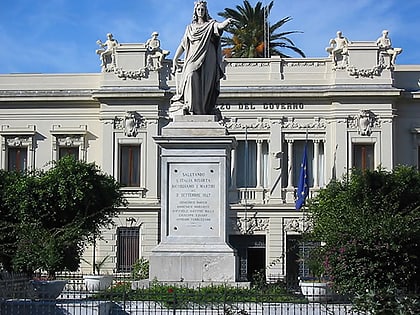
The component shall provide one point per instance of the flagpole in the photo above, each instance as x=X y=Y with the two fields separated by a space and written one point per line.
x=302 y=194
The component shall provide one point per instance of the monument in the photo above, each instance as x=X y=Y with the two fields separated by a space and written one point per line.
x=195 y=158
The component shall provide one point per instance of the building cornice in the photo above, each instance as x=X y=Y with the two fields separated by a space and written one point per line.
x=45 y=95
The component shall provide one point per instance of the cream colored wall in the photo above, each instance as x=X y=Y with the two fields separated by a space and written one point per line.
x=329 y=97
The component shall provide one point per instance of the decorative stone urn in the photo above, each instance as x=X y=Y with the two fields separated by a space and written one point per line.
x=47 y=289
x=97 y=282
x=316 y=291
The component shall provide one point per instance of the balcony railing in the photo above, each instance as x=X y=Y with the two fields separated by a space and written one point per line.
x=260 y=195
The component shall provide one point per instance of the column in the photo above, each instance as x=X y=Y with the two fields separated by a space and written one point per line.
x=316 y=163
x=289 y=164
x=290 y=191
x=259 y=163
x=233 y=164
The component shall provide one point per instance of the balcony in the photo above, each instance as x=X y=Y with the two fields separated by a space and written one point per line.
x=261 y=196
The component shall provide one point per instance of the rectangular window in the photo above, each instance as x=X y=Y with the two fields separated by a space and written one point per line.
x=305 y=264
x=68 y=151
x=363 y=156
x=298 y=152
x=247 y=164
x=17 y=158
x=130 y=165
x=128 y=245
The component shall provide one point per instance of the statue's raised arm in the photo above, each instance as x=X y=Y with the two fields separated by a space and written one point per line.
x=199 y=86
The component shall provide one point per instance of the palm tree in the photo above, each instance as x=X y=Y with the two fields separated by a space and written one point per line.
x=253 y=36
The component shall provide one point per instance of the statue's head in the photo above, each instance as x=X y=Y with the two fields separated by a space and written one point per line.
x=201 y=4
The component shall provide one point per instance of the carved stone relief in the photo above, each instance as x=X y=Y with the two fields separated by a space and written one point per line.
x=70 y=141
x=132 y=74
x=365 y=73
x=298 y=225
x=131 y=123
x=19 y=141
x=318 y=123
x=260 y=124
x=248 y=64
x=364 y=122
x=250 y=225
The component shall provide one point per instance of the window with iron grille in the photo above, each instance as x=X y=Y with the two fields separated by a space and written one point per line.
x=130 y=165
x=128 y=247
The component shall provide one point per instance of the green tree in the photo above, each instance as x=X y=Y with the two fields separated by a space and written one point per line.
x=249 y=32
x=9 y=216
x=56 y=213
x=369 y=223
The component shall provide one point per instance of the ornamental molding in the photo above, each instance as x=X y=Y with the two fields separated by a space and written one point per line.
x=19 y=141
x=247 y=64
x=305 y=64
x=260 y=124
x=250 y=225
x=46 y=93
x=291 y=123
x=130 y=74
x=298 y=225
x=365 y=73
x=70 y=141
x=69 y=136
x=17 y=137
x=364 y=122
x=131 y=123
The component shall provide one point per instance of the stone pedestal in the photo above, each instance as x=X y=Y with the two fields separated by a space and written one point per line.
x=195 y=155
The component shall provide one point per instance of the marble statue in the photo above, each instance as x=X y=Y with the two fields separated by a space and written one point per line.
x=155 y=52
x=199 y=86
x=338 y=50
x=107 y=51
x=385 y=48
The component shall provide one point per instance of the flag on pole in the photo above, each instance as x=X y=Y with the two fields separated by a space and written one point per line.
x=303 y=186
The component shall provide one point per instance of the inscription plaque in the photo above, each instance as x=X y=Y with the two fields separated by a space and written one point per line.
x=193 y=200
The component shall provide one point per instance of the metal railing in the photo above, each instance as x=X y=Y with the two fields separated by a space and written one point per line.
x=17 y=297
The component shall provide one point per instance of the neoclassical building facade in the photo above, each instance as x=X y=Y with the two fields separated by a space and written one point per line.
x=354 y=108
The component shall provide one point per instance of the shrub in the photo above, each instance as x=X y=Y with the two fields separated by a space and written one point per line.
x=369 y=223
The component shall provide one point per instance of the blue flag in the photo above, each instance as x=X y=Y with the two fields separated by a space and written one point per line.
x=303 y=186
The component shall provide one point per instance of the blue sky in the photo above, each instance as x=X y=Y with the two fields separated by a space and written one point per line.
x=59 y=36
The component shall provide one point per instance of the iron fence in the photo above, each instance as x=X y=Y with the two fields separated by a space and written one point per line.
x=18 y=297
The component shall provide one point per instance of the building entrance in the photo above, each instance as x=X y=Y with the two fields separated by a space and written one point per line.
x=293 y=265
x=252 y=252
x=256 y=262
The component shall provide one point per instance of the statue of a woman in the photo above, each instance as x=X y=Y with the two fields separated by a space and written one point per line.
x=199 y=86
